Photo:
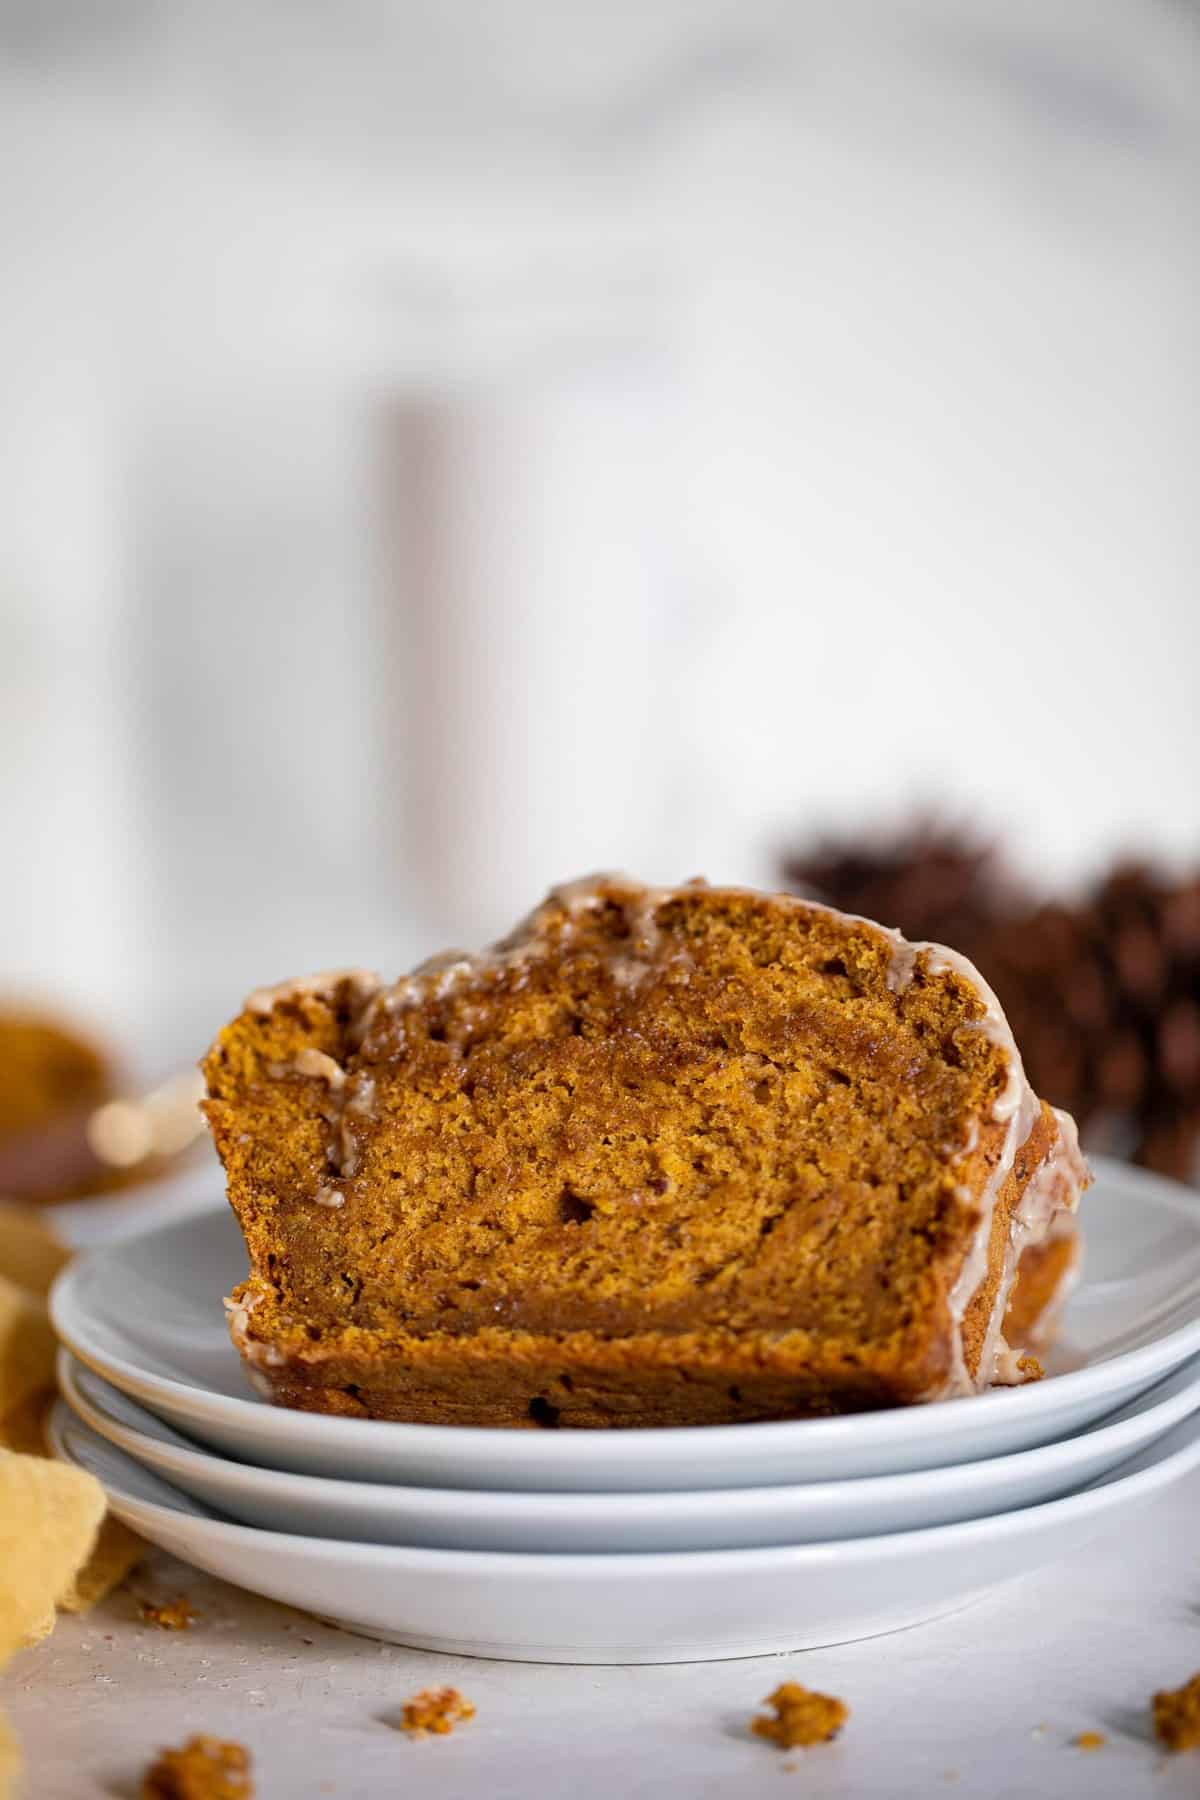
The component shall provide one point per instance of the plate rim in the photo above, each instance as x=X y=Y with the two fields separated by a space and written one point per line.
x=881 y=1428
x=633 y=1503
x=1085 y=1502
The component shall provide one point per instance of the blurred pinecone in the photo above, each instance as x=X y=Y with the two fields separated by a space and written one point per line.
x=929 y=880
x=1104 y=1000
x=1103 y=996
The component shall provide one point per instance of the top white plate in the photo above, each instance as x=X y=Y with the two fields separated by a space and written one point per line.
x=147 y=1315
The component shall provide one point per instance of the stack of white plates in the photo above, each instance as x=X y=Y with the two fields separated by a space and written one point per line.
x=630 y=1546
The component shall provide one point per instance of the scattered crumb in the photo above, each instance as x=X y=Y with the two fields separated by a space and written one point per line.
x=202 y=1769
x=1030 y=1369
x=789 y=1768
x=172 y=1615
x=436 y=1711
x=1090 y=1740
x=1177 y=1716
x=1039 y=1731
x=801 y=1717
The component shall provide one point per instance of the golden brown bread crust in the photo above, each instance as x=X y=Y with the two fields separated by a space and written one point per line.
x=667 y=1158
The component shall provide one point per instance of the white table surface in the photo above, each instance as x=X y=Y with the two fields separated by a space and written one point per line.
x=984 y=1704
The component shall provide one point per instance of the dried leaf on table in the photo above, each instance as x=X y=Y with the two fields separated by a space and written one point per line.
x=49 y=1518
x=30 y=1253
x=27 y=1346
x=117 y=1550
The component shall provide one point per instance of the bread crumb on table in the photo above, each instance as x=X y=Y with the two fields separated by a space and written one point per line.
x=204 y=1768
x=171 y=1615
x=1177 y=1716
x=435 y=1712
x=1090 y=1740
x=802 y=1717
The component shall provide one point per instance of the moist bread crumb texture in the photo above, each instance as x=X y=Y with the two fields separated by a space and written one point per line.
x=661 y=1157
x=1177 y=1716
x=801 y=1717
x=435 y=1712
x=205 y=1768
x=169 y=1615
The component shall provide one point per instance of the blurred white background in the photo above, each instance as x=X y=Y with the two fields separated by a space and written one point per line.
x=448 y=447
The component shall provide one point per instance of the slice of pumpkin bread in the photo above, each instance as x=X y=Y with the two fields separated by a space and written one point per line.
x=662 y=1157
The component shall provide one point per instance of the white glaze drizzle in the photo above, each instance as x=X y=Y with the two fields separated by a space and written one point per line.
x=360 y=1094
x=256 y=1354
x=903 y=962
x=442 y=977
x=239 y=1311
x=351 y=1093
x=315 y=1063
x=252 y=1350
x=1006 y=1367
x=1017 y=1107
x=363 y=983
x=1027 y=1225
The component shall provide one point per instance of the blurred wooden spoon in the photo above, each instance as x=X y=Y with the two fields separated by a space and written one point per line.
x=93 y=1149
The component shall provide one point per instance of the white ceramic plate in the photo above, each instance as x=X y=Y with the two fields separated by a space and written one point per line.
x=146 y=1314
x=690 y=1606
x=712 y=1519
